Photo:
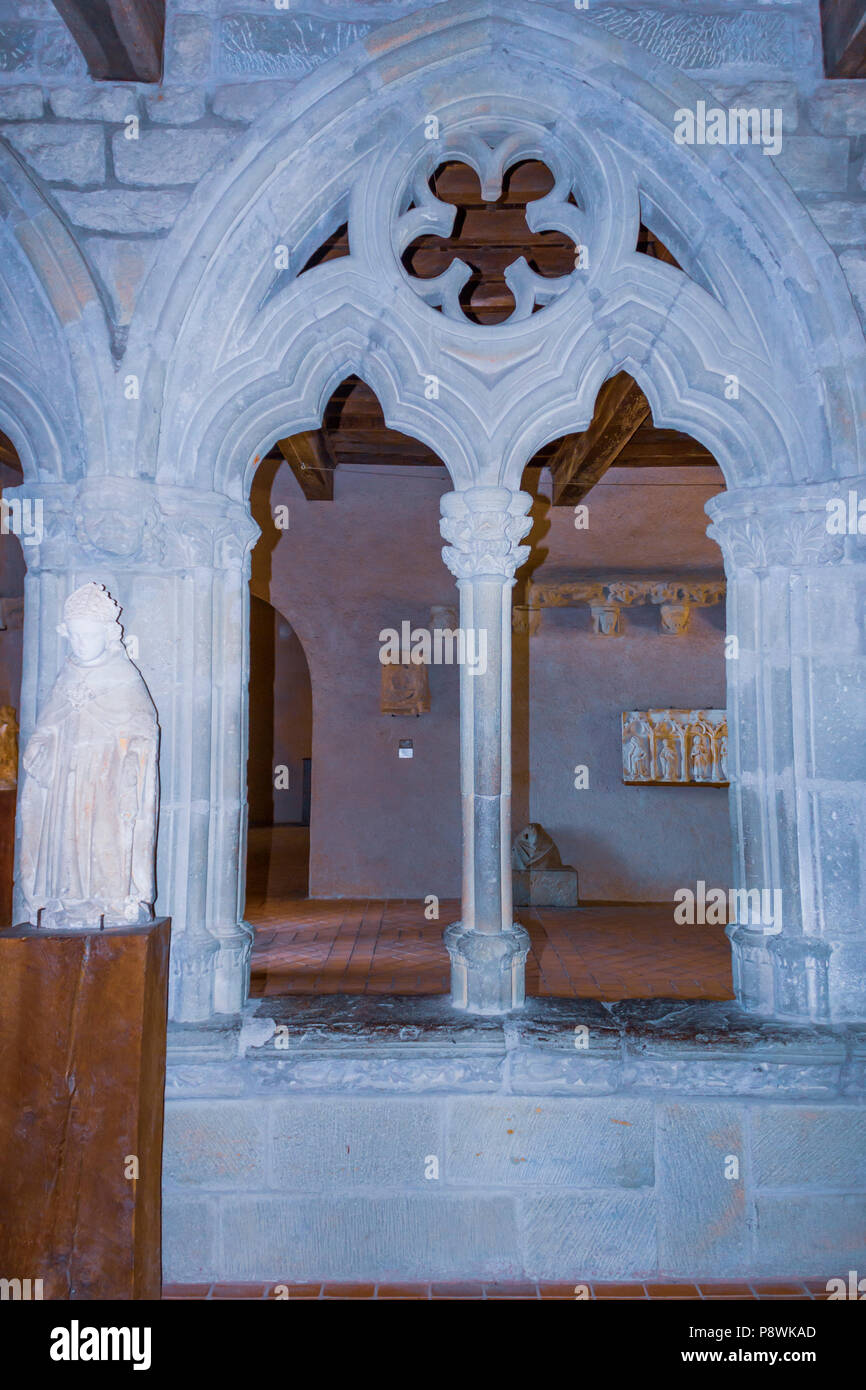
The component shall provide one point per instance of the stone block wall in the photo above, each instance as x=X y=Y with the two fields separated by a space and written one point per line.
x=230 y=65
x=683 y=1141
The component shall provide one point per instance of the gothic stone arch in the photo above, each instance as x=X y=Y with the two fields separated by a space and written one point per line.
x=238 y=348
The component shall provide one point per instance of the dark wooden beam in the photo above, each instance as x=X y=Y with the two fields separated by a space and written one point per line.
x=310 y=458
x=844 y=26
x=581 y=459
x=121 y=39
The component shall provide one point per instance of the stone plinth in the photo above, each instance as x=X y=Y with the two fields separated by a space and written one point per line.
x=379 y=1137
x=545 y=888
x=82 y=1075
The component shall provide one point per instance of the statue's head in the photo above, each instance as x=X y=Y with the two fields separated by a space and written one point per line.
x=90 y=622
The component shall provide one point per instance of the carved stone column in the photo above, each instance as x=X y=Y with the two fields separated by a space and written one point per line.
x=484 y=526
x=797 y=748
x=177 y=560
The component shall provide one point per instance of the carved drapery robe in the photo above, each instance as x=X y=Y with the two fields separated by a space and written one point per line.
x=89 y=801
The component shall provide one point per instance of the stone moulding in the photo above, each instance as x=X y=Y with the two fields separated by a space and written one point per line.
x=606 y=598
x=675 y=747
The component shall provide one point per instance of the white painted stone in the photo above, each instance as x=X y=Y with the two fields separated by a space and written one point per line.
x=245 y=101
x=88 y=807
x=837 y=108
x=189 y=1226
x=175 y=105
x=369 y=1236
x=842 y=223
x=62 y=153
x=494 y=1140
x=188 y=45
x=169 y=156
x=320 y=1145
x=773 y=96
x=223 y=1144
x=122 y=209
x=814 y=164
x=122 y=264
x=703 y=1213
x=95 y=103
x=23 y=103
x=794 y=1146
x=814 y=1236
x=571 y=1236
x=854 y=265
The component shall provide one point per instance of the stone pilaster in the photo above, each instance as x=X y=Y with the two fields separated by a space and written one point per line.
x=484 y=526
x=797 y=747
x=177 y=560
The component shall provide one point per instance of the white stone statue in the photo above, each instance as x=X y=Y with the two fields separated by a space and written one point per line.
x=89 y=802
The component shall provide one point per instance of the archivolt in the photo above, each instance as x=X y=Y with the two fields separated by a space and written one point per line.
x=757 y=351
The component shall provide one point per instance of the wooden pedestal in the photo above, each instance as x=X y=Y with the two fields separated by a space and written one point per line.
x=7 y=856
x=82 y=1075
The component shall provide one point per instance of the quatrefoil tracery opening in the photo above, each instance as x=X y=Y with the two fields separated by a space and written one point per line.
x=499 y=260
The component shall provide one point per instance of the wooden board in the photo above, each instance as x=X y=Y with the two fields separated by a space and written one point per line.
x=82 y=1077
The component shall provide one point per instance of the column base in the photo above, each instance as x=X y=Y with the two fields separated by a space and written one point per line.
x=780 y=976
x=232 y=978
x=191 y=978
x=487 y=969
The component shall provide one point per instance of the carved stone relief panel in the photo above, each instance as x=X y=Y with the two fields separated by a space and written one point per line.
x=675 y=747
x=675 y=599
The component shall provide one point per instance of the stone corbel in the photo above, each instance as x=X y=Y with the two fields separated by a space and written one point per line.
x=676 y=601
x=606 y=599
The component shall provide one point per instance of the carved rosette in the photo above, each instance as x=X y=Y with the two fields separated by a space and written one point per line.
x=484 y=527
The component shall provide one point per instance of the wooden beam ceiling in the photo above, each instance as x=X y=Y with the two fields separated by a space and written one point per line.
x=121 y=39
x=580 y=459
x=844 y=27
x=310 y=458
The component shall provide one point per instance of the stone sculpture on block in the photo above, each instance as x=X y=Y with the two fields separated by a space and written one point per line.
x=539 y=877
x=675 y=746
x=89 y=801
x=8 y=749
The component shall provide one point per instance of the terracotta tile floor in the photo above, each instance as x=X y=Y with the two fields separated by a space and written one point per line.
x=790 y=1289
x=356 y=946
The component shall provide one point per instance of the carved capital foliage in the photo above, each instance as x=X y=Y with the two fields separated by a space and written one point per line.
x=122 y=523
x=484 y=526
x=776 y=528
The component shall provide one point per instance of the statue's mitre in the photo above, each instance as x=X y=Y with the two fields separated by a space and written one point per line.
x=92 y=601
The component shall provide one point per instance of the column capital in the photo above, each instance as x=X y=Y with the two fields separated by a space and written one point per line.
x=113 y=521
x=484 y=526
x=792 y=527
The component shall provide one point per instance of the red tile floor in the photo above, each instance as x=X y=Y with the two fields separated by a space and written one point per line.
x=787 y=1289
x=386 y=946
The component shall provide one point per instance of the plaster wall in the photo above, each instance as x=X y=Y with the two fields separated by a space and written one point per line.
x=281 y=718
x=345 y=570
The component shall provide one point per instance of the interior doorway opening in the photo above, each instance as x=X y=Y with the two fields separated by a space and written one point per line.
x=620 y=735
